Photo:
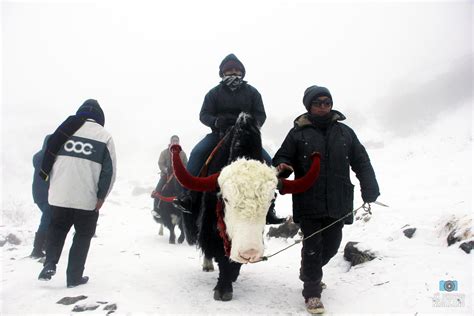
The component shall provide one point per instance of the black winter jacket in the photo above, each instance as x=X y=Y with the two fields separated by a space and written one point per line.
x=332 y=194
x=223 y=102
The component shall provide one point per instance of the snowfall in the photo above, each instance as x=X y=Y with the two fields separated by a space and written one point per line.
x=425 y=179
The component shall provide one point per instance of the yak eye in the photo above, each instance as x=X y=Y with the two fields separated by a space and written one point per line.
x=225 y=200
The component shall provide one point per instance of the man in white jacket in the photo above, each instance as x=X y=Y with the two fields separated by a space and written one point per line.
x=80 y=164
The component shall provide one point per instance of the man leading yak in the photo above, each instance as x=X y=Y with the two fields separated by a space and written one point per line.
x=331 y=197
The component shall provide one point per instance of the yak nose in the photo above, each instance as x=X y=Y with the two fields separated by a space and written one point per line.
x=250 y=255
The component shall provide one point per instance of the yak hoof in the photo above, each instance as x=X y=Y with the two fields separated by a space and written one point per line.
x=207 y=265
x=222 y=296
x=223 y=291
x=181 y=239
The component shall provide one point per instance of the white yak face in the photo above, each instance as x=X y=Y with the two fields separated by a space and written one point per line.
x=247 y=188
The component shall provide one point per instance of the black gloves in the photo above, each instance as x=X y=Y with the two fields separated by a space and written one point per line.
x=224 y=121
x=369 y=199
x=220 y=123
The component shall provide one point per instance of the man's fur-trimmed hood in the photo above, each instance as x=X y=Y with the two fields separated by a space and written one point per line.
x=303 y=120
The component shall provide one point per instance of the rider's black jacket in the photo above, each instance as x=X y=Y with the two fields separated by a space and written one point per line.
x=223 y=103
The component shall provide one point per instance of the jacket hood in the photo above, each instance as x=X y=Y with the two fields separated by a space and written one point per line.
x=303 y=120
x=231 y=61
x=91 y=109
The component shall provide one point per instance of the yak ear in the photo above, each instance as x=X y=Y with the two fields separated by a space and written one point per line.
x=190 y=182
x=304 y=183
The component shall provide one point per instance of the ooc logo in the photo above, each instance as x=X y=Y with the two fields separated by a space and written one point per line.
x=78 y=147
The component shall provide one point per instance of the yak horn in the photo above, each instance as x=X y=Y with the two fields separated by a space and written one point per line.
x=190 y=182
x=304 y=183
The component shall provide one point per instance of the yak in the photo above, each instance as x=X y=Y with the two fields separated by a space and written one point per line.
x=237 y=192
x=165 y=213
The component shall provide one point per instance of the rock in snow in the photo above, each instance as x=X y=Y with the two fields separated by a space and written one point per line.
x=356 y=256
x=71 y=300
x=409 y=232
x=286 y=230
x=467 y=246
x=85 y=307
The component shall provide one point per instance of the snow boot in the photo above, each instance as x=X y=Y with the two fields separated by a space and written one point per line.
x=184 y=201
x=272 y=218
x=314 y=305
x=47 y=272
x=83 y=280
x=38 y=245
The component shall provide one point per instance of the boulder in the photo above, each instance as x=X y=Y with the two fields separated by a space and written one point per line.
x=111 y=308
x=453 y=238
x=286 y=230
x=409 y=232
x=71 y=300
x=356 y=256
x=457 y=229
x=85 y=307
x=13 y=239
x=467 y=246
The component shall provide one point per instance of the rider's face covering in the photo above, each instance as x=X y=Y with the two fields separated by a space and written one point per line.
x=232 y=81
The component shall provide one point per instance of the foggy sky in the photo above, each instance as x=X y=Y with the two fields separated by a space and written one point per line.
x=388 y=64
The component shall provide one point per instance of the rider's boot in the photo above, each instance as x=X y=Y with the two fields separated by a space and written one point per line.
x=272 y=218
x=184 y=201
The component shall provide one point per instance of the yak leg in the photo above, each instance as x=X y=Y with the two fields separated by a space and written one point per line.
x=181 y=228
x=207 y=265
x=172 y=235
x=174 y=220
x=235 y=271
x=228 y=273
x=160 y=232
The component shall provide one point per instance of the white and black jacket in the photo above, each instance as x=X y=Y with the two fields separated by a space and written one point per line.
x=84 y=170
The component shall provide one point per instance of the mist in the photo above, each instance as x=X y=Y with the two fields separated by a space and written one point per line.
x=392 y=67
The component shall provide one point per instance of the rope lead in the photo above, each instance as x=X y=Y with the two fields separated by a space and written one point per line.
x=365 y=207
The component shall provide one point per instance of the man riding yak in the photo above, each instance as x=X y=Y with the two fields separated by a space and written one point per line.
x=166 y=170
x=164 y=213
x=222 y=105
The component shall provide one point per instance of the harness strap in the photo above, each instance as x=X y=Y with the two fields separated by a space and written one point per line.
x=168 y=199
x=221 y=227
x=203 y=171
x=157 y=195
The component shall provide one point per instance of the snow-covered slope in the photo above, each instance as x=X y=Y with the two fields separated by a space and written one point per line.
x=425 y=179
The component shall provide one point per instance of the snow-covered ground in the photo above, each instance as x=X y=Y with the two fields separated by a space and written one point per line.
x=425 y=179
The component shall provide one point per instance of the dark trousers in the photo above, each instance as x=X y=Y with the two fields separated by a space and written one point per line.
x=162 y=182
x=159 y=187
x=317 y=251
x=45 y=217
x=200 y=152
x=61 y=222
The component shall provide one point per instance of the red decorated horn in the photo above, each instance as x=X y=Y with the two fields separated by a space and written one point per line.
x=304 y=183
x=190 y=182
